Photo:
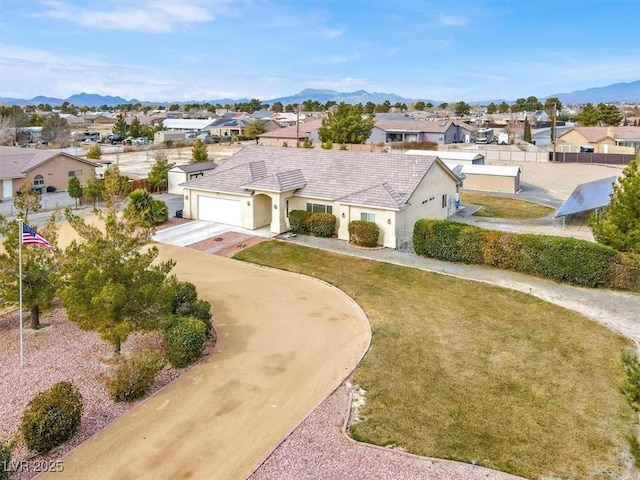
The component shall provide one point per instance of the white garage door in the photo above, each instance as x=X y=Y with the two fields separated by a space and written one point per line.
x=220 y=210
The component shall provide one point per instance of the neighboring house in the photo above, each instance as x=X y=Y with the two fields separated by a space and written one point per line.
x=183 y=173
x=389 y=131
x=188 y=124
x=291 y=135
x=259 y=186
x=624 y=140
x=48 y=170
x=226 y=128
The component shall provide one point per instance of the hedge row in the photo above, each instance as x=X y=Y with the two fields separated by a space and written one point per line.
x=568 y=260
x=318 y=224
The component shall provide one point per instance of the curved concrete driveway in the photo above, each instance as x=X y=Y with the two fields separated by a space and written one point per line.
x=285 y=343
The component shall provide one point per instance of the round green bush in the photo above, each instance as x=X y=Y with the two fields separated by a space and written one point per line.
x=322 y=224
x=299 y=221
x=133 y=377
x=5 y=458
x=184 y=341
x=363 y=234
x=52 y=417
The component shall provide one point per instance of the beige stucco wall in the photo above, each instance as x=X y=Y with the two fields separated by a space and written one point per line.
x=174 y=179
x=490 y=183
x=55 y=173
x=190 y=198
x=606 y=145
x=262 y=211
x=384 y=219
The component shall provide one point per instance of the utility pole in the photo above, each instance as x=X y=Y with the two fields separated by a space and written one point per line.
x=553 y=132
x=297 y=126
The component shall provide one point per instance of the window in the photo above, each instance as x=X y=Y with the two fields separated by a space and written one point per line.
x=368 y=217
x=38 y=180
x=444 y=200
x=71 y=173
x=319 y=208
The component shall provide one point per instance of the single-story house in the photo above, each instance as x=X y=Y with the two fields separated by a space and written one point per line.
x=625 y=140
x=259 y=186
x=48 y=170
x=188 y=124
x=443 y=132
x=291 y=135
x=491 y=178
x=183 y=173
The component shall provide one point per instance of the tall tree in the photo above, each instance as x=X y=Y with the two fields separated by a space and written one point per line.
x=527 y=130
x=56 y=130
x=420 y=105
x=39 y=270
x=588 y=117
x=503 y=107
x=75 y=189
x=110 y=283
x=552 y=106
x=94 y=190
x=277 y=107
x=492 y=108
x=135 y=129
x=120 y=128
x=346 y=125
x=255 y=127
x=199 y=152
x=159 y=174
x=462 y=109
x=609 y=115
x=618 y=225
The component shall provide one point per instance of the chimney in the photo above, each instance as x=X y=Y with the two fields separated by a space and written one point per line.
x=610 y=132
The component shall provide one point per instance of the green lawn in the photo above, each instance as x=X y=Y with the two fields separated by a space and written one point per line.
x=504 y=207
x=467 y=371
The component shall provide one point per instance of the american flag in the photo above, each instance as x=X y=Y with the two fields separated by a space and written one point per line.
x=31 y=237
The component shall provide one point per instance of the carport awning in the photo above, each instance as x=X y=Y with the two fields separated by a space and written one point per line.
x=587 y=197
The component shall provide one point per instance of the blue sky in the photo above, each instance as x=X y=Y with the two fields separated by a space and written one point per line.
x=179 y=50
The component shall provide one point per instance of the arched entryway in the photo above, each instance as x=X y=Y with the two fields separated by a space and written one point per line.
x=262 y=210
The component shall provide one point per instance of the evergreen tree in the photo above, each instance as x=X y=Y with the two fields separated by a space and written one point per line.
x=492 y=108
x=110 y=283
x=462 y=109
x=120 y=128
x=609 y=115
x=199 y=152
x=75 y=189
x=27 y=200
x=588 y=117
x=618 y=225
x=346 y=125
x=39 y=270
x=135 y=129
x=527 y=130
x=159 y=174
x=255 y=127
x=95 y=152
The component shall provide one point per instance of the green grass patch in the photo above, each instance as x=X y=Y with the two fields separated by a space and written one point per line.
x=471 y=372
x=504 y=207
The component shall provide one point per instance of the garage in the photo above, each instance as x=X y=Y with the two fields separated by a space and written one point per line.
x=219 y=210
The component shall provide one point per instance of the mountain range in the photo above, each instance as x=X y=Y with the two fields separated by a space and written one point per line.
x=616 y=93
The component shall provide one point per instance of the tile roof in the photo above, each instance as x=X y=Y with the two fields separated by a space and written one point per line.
x=197 y=167
x=595 y=134
x=413 y=126
x=303 y=130
x=375 y=179
x=16 y=162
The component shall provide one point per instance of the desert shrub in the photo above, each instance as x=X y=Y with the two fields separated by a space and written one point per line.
x=634 y=449
x=133 y=376
x=5 y=458
x=52 y=417
x=183 y=301
x=569 y=260
x=363 y=234
x=299 y=221
x=159 y=212
x=343 y=147
x=184 y=341
x=322 y=224
x=328 y=145
x=285 y=144
x=307 y=143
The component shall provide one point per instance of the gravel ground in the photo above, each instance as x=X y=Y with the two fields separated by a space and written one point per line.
x=320 y=449
x=61 y=352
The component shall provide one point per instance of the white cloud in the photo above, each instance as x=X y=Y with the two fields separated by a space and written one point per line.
x=333 y=33
x=337 y=59
x=153 y=17
x=447 y=20
x=338 y=84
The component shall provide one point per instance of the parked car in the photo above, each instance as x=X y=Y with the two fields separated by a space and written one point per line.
x=113 y=139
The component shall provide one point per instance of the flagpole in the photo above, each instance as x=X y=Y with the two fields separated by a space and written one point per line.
x=20 y=228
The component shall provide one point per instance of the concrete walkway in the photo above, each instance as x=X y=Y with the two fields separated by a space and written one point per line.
x=620 y=311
